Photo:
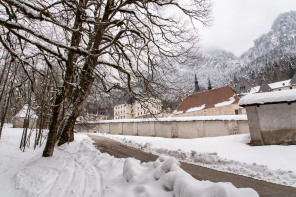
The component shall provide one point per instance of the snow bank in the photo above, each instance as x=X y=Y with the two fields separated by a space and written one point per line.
x=274 y=163
x=269 y=97
x=79 y=169
x=166 y=172
x=72 y=171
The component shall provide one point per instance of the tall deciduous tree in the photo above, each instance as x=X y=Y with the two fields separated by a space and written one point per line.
x=117 y=42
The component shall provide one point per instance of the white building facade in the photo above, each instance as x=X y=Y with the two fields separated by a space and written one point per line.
x=147 y=109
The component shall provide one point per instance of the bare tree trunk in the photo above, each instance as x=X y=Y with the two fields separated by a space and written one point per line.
x=42 y=106
x=4 y=112
x=54 y=125
x=5 y=81
x=7 y=99
x=3 y=72
x=80 y=95
x=26 y=125
x=56 y=118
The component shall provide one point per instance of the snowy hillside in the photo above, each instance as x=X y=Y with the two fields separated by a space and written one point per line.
x=273 y=47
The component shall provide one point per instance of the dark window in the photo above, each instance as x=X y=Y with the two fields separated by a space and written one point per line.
x=236 y=112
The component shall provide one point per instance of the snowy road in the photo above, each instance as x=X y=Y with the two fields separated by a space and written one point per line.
x=264 y=189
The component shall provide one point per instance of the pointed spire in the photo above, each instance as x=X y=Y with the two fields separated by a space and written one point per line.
x=196 y=87
x=235 y=81
x=293 y=80
x=264 y=87
x=209 y=85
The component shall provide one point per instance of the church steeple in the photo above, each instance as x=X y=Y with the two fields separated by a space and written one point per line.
x=209 y=85
x=293 y=80
x=196 y=87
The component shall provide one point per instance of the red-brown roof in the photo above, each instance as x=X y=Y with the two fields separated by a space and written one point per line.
x=208 y=98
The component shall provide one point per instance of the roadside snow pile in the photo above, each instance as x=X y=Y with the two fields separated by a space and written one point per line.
x=78 y=169
x=274 y=164
x=166 y=173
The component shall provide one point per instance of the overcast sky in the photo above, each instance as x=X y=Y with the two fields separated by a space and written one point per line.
x=237 y=23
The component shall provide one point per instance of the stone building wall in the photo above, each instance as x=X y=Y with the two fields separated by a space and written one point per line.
x=18 y=122
x=272 y=123
x=223 y=110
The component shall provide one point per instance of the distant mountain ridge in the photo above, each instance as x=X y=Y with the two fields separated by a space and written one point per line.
x=272 y=52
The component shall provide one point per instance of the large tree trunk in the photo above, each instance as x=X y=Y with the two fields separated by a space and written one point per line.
x=80 y=94
x=53 y=128
x=78 y=97
x=57 y=118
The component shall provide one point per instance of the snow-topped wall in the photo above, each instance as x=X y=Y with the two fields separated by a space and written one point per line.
x=183 y=127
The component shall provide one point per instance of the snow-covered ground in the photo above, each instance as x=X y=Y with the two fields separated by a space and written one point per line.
x=275 y=164
x=79 y=169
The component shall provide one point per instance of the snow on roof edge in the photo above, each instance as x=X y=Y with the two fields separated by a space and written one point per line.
x=23 y=112
x=178 y=119
x=284 y=96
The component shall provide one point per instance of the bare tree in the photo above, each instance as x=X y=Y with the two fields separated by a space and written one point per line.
x=118 y=42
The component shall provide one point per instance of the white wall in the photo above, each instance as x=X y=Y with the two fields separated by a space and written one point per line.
x=169 y=129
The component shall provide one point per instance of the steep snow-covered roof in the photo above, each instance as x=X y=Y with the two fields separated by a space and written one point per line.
x=275 y=85
x=22 y=113
x=280 y=84
x=284 y=96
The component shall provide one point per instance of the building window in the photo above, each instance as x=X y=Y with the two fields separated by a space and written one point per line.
x=236 y=112
x=220 y=112
x=205 y=113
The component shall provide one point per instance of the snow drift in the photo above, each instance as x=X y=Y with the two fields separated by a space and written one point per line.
x=79 y=169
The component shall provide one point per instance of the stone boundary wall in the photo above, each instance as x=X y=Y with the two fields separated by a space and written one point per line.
x=176 y=128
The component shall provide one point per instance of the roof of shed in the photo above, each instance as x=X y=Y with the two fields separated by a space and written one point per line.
x=284 y=96
x=23 y=112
